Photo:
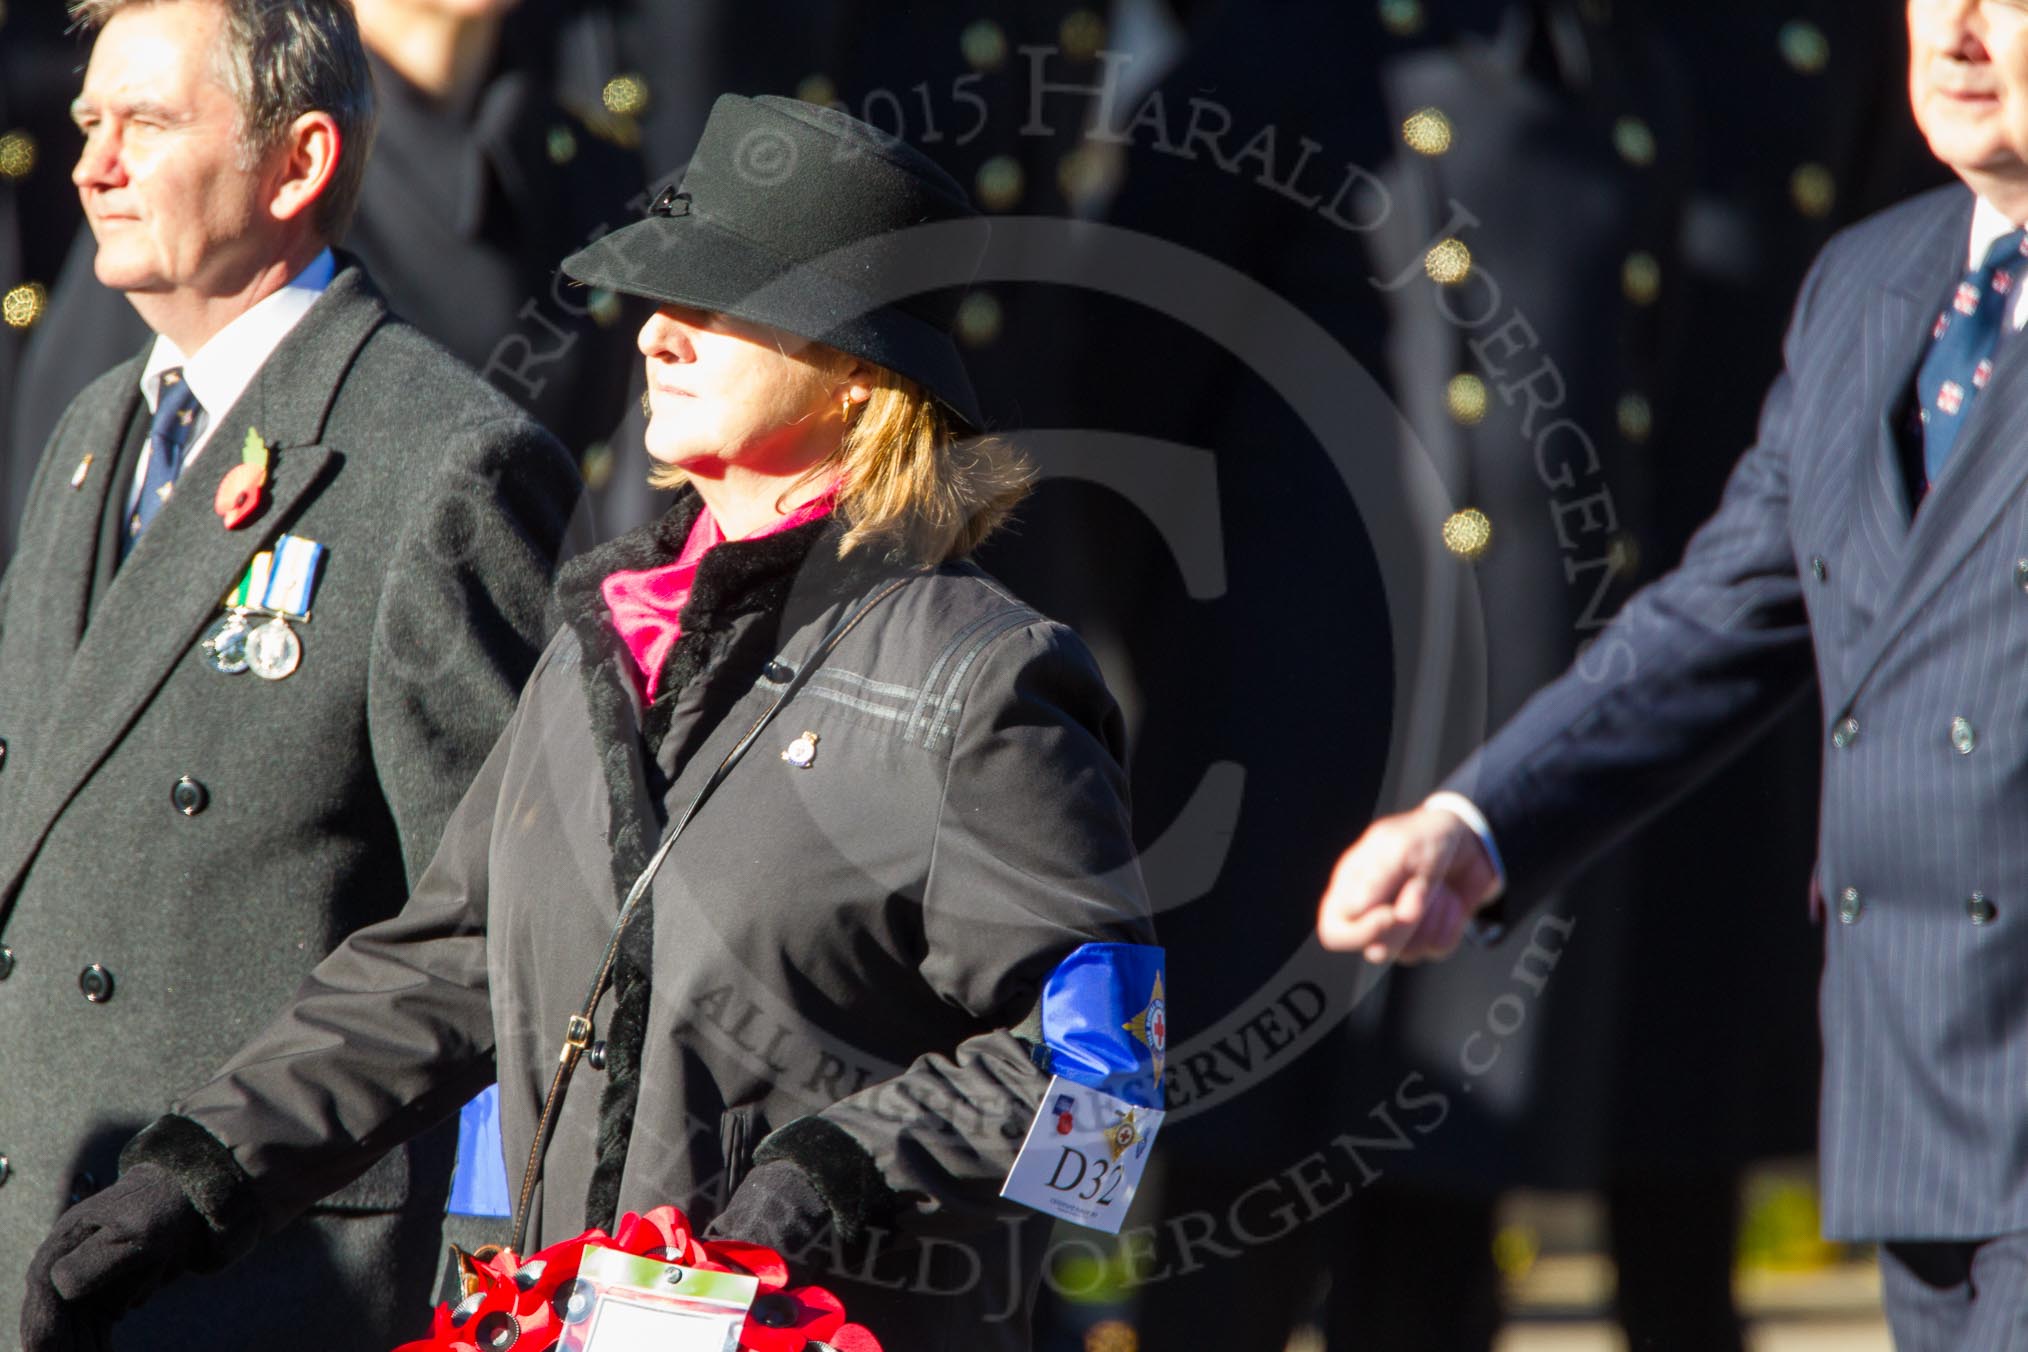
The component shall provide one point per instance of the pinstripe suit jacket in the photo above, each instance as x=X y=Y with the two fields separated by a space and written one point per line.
x=1916 y=627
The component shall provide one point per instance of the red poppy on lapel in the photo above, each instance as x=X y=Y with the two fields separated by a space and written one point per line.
x=240 y=492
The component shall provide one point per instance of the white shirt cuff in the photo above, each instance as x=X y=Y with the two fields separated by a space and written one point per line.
x=1466 y=811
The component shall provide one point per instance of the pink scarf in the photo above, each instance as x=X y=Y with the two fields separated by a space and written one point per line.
x=647 y=604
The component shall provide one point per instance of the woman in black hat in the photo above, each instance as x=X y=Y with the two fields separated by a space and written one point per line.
x=797 y=816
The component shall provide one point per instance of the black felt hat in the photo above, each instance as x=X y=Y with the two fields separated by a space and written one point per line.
x=801 y=217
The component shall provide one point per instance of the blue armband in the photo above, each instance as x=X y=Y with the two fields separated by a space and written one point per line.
x=479 y=1184
x=1105 y=1023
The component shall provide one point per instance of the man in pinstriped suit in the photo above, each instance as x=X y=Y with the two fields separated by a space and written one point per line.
x=1876 y=534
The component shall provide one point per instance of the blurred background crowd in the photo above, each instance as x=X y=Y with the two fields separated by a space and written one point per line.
x=1495 y=219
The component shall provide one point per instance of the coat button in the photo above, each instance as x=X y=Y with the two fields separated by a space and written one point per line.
x=780 y=672
x=6 y=1170
x=3 y=752
x=1401 y=17
x=1964 y=737
x=1814 y=190
x=189 y=797
x=561 y=143
x=1804 y=47
x=17 y=154
x=1427 y=131
x=595 y=1055
x=6 y=962
x=1980 y=908
x=96 y=983
x=1818 y=568
x=1846 y=733
x=1641 y=277
x=23 y=305
x=1849 y=906
x=1635 y=140
x=2021 y=574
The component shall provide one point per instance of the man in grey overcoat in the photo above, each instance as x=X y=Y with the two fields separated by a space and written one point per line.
x=196 y=807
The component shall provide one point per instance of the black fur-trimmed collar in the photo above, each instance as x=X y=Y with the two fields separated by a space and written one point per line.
x=738 y=578
x=795 y=568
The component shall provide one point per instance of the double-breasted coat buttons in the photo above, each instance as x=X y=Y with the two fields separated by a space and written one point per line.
x=96 y=983
x=1978 y=907
x=6 y=1170
x=1964 y=737
x=3 y=753
x=6 y=962
x=1845 y=733
x=1818 y=568
x=189 y=797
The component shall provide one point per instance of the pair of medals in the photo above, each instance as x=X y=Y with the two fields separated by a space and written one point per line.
x=270 y=650
x=255 y=634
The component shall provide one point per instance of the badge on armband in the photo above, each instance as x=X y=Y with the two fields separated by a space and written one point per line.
x=1106 y=1028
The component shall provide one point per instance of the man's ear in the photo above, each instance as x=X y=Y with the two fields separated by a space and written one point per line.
x=306 y=162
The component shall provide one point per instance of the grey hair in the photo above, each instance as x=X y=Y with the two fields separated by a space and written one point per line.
x=280 y=60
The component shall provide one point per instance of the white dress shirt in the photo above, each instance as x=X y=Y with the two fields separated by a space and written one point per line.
x=219 y=372
x=1988 y=224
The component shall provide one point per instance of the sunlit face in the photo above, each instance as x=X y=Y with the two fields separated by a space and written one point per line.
x=722 y=391
x=1968 y=83
x=159 y=175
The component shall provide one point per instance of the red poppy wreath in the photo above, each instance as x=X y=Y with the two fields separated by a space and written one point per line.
x=528 y=1305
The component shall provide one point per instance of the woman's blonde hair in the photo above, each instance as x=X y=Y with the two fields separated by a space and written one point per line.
x=907 y=487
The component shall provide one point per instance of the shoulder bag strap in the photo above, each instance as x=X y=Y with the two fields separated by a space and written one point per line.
x=577 y=1033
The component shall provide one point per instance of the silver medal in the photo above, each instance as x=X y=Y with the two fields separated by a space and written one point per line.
x=273 y=651
x=225 y=645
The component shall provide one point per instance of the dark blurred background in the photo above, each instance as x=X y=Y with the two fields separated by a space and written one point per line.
x=1543 y=251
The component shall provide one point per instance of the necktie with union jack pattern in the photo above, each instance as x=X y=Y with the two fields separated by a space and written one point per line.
x=169 y=434
x=1960 y=360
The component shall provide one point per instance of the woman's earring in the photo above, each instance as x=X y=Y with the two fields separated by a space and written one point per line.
x=845 y=409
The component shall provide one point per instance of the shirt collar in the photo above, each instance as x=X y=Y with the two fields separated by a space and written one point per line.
x=219 y=372
x=1988 y=224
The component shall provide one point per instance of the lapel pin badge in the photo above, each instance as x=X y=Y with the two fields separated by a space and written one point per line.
x=801 y=752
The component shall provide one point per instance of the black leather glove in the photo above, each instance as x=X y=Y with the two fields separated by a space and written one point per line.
x=777 y=1207
x=106 y=1255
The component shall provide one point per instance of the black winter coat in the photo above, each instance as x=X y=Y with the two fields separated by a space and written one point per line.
x=815 y=1027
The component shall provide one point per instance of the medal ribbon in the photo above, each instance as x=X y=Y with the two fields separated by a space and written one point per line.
x=253 y=583
x=293 y=578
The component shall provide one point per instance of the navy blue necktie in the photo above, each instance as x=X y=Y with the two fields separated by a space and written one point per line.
x=169 y=435
x=1960 y=360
